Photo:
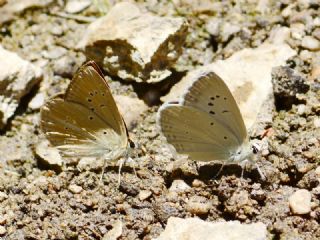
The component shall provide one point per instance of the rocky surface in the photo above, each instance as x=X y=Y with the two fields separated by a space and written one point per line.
x=40 y=201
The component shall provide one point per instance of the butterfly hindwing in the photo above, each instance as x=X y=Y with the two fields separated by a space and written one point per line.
x=210 y=94
x=194 y=132
x=76 y=130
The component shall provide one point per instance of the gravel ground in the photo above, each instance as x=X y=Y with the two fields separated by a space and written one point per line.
x=41 y=202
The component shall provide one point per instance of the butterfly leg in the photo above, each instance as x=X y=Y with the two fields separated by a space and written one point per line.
x=218 y=173
x=263 y=177
x=243 y=165
x=103 y=168
x=121 y=163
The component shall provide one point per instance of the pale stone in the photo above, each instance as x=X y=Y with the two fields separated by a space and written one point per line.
x=198 y=205
x=134 y=45
x=144 y=194
x=279 y=35
x=197 y=229
x=37 y=101
x=179 y=186
x=75 y=188
x=300 y=202
x=316 y=122
x=310 y=43
x=130 y=108
x=49 y=156
x=76 y=6
x=115 y=232
x=17 y=77
x=3 y=230
x=248 y=75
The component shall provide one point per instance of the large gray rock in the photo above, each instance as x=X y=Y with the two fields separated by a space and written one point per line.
x=197 y=229
x=134 y=45
x=17 y=77
x=248 y=75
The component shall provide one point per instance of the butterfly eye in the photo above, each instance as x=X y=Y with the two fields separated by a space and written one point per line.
x=255 y=148
x=131 y=143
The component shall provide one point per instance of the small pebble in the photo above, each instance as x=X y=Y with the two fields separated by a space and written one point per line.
x=75 y=188
x=197 y=183
x=37 y=101
x=144 y=194
x=198 y=205
x=3 y=220
x=310 y=43
x=179 y=186
x=3 y=230
x=300 y=202
x=316 y=122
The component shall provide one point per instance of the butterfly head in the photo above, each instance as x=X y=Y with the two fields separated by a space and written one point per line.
x=246 y=151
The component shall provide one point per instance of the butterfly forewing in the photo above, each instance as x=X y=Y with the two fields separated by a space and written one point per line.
x=86 y=121
x=90 y=89
x=211 y=95
x=194 y=132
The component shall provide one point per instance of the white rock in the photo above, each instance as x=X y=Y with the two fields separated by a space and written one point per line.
x=115 y=232
x=17 y=77
x=134 y=45
x=300 y=202
x=316 y=122
x=76 y=6
x=130 y=108
x=310 y=43
x=297 y=30
x=49 y=155
x=179 y=186
x=144 y=194
x=75 y=188
x=248 y=75
x=3 y=230
x=37 y=101
x=197 y=229
x=279 y=35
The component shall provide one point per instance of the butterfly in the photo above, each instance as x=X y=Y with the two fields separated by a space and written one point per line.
x=85 y=121
x=206 y=124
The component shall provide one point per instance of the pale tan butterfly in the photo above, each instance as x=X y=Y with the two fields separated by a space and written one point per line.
x=206 y=124
x=85 y=122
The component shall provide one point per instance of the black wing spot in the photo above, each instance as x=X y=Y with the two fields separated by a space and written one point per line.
x=66 y=128
x=225 y=98
x=217 y=96
x=210 y=104
x=91 y=94
x=212 y=112
x=212 y=123
x=104 y=132
x=90 y=117
x=102 y=105
x=225 y=111
x=96 y=92
x=225 y=137
x=102 y=94
x=92 y=109
x=212 y=98
x=89 y=99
